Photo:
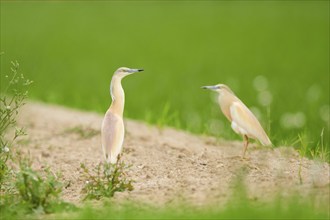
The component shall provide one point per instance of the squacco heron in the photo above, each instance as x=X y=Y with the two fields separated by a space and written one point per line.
x=243 y=122
x=112 y=131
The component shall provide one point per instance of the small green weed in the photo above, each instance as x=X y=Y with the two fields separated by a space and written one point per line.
x=16 y=85
x=23 y=190
x=303 y=150
x=39 y=190
x=320 y=151
x=105 y=180
x=168 y=117
x=83 y=132
x=309 y=148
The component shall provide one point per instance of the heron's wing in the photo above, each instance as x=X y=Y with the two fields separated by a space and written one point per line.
x=109 y=132
x=247 y=122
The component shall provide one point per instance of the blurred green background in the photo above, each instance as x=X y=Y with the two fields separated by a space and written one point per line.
x=273 y=54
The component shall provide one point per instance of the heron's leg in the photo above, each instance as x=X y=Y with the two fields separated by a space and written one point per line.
x=118 y=158
x=246 y=143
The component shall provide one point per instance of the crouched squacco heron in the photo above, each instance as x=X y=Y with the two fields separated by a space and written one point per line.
x=112 y=131
x=243 y=122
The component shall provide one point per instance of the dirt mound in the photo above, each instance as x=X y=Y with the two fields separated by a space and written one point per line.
x=168 y=165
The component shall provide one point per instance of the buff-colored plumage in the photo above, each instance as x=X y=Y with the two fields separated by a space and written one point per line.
x=242 y=120
x=113 y=130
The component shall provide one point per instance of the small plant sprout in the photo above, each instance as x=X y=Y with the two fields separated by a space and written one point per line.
x=40 y=190
x=83 y=132
x=303 y=150
x=167 y=116
x=105 y=180
x=320 y=151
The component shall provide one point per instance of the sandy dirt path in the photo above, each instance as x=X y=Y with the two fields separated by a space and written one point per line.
x=167 y=165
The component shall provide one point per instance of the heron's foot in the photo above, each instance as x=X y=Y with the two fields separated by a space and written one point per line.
x=245 y=158
x=253 y=167
x=234 y=157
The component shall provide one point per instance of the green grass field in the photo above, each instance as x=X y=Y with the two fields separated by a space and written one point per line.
x=240 y=207
x=71 y=49
x=273 y=54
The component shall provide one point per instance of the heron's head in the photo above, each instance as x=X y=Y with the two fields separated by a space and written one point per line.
x=219 y=88
x=124 y=71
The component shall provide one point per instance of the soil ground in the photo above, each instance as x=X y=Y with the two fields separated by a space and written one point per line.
x=168 y=165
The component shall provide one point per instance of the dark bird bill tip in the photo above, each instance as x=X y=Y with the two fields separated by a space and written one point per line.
x=140 y=70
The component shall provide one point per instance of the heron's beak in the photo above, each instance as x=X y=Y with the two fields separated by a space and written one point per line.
x=210 y=87
x=135 y=70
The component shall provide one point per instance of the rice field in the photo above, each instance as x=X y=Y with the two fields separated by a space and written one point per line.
x=274 y=55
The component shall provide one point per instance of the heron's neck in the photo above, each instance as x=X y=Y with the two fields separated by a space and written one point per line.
x=117 y=95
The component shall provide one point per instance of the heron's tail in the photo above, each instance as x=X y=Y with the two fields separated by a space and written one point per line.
x=265 y=141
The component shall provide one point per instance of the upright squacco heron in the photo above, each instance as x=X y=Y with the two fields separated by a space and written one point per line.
x=112 y=131
x=243 y=122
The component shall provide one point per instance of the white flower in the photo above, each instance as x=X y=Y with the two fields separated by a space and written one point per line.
x=5 y=149
x=8 y=107
x=87 y=182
